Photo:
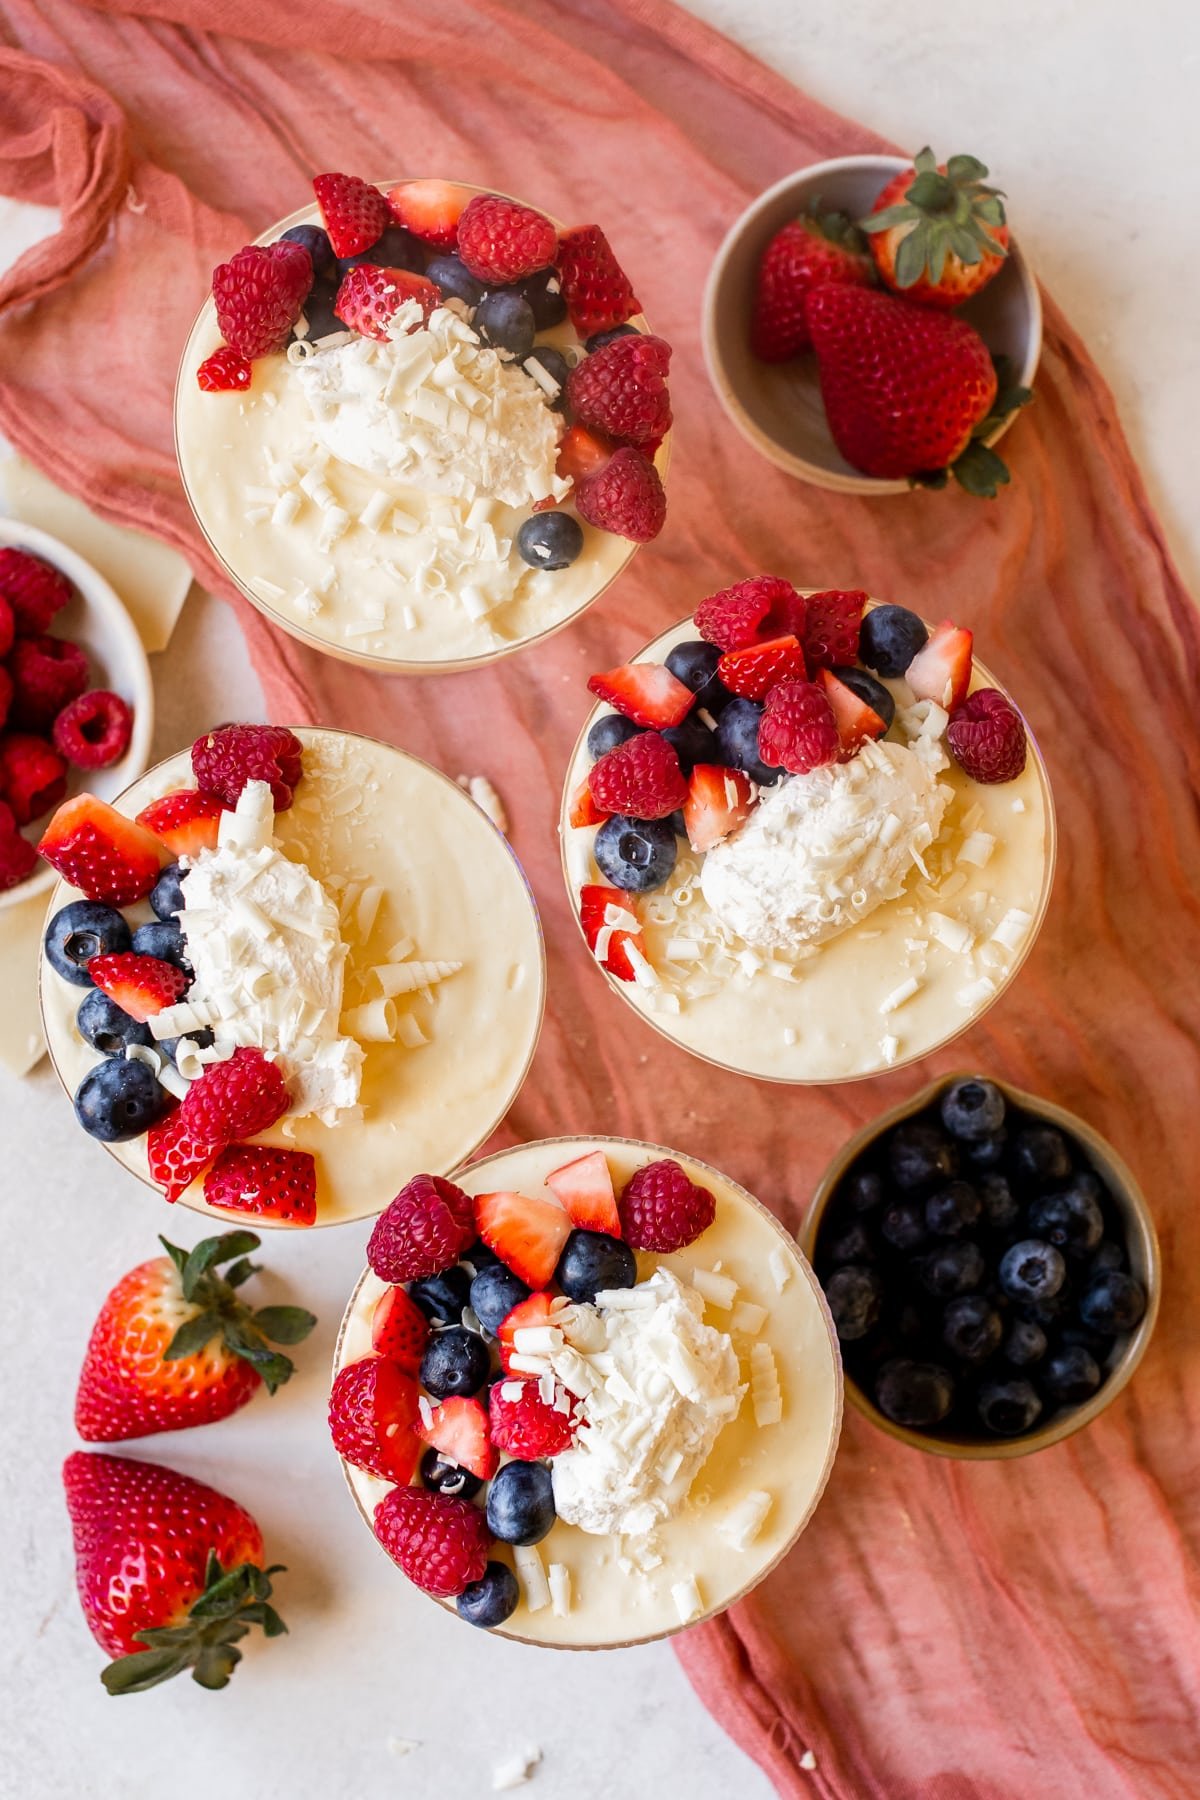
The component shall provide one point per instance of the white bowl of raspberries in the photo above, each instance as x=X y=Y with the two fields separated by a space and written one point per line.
x=76 y=702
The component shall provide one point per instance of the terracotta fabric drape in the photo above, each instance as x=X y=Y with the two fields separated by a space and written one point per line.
x=942 y=1630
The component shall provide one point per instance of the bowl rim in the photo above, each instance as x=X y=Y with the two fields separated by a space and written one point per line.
x=799 y=1255
x=1136 y=1216
x=366 y=659
x=837 y=480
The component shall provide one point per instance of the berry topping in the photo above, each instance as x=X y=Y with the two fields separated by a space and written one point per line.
x=46 y=673
x=663 y=1209
x=549 y=540
x=642 y=778
x=583 y=810
x=99 y=850
x=871 y=692
x=455 y=282
x=266 y=1182
x=429 y=209
x=164 y=939
x=718 y=801
x=369 y=296
x=17 y=855
x=459 y=1429
x=625 y=497
x=581 y=454
x=354 y=213
x=755 y=670
x=140 y=985
x=732 y=618
x=527 y=1235
x=373 y=1418
x=235 y=1099
x=33 y=778
x=316 y=242
x=596 y=288
x=595 y=903
x=505 y=320
x=104 y=1025
x=526 y=1427
x=832 y=621
x=607 y=732
x=500 y=241
x=635 y=854
x=442 y=1297
x=537 y=1309
x=225 y=371
x=224 y=760
x=456 y=1361
x=986 y=736
x=492 y=1599
x=259 y=294
x=440 y=1541
x=594 y=1262
x=738 y=730
x=798 y=731
x=166 y=896
x=119 y=1100
x=33 y=588
x=185 y=821
x=520 y=1503
x=495 y=1291
x=399 y=1329
x=942 y=670
x=93 y=730
x=425 y=1229
x=622 y=390
x=889 y=638
x=585 y=1188
x=854 y=719
x=647 y=693
x=445 y=1476
x=806 y=253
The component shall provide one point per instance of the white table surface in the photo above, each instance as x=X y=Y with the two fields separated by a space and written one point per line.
x=1088 y=121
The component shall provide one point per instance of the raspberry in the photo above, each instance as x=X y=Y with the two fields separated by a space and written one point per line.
x=8 y=627
x=34 y=589
x=832 y=621
x=426 y=1228
x=640 y=778
x=46 y=673
x=526 y=1427
x=225 y=371
x=595 y=287
x=17 y=854
x=500 y=241
x=354 y=213
x=224 y=760
x=33 y=776
x=621 y=389
x=986 y=736
x=93 y=731
x=439 y=1540
x=259 y=294
x=372 y=1412
x=662 y=1209
x=731 y=619
x=6 y=695
x=234 y=1099
x=798 y=731
x=625 y=497
x=175 y=1155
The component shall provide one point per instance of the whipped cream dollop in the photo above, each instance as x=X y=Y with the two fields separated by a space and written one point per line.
x=653 y=1386
x=265 y=942
x=822 y=850
x=434 y=409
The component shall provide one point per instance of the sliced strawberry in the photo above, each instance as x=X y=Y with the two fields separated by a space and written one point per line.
x=374 y=1412
x=584 y=810
x=140 y=985
x=266 y=1182
x=586 y=1190
x=459 y=1429
x=399 y=1329
x=718 y=801
x=942 y=670
x=647 y=693
x=595 y=287
x=176 y=1155
x=582 y=453
x=185 y=821
x=101 y=852
x=855 y=720
x=370 y=296
x=594 y=903
x=527 y=1235
x=754 y=671
x=354 y=213
x=429 y=209
x=538 y=1309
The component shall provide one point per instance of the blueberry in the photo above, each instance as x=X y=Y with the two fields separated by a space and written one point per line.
x=953 y=1209
x=505 y=321
x=319 y=315
x=455 y=281
x=316 y=242
x=164 y=939
x=692 y=742
x=855 y=1297
x=871 y=691
x=919 y=1154
x=444 y=1476
x=973 y=1110
x=903 y=1225
x=988 y=1152
x=455 y=1362
x=494 y=1293
x=917 y=1394
x=695 y=664
x=592 y=1262
x=1071 y=1219
x=1032 y=1270
x=972 y=1328
x=553 y=364
x=549 y=540
x=166 y=896
x=1113 y=1302
x=119 y=1100
x=395 y=249
x=520 y=1503
x=608 y=732
x=480 y=1256
x=1109 y=1255
x=107 y=1027
x=737 y=741
x=849 y=1244
x=1097 y=1343
x=1024 y=1343
x=635 y=854
x=79 y=931
x=1007 y=1408
x=490 y=1600
x=889 y=639
x=598 y=339
x=543 y=292
x=862 y=1190
x=1000 y=1206
x=170 y=1046
x=676 y=821
x=442 y=1297
x=1071 y=1374
x=952 y=1269
x=1040 y=1155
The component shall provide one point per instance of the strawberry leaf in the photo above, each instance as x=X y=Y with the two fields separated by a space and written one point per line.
x=214 y=1250
x=142 y=1669
x=192 y=1336
x=234 y=1600
x=241 y=1271
x=980 y=471
x=285 y=1324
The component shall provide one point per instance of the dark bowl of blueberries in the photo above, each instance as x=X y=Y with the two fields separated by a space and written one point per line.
x=991 y=1266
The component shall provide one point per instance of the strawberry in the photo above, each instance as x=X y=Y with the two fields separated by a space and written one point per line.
x=621 y=390
x=33 y=776
x=265 y=1182
x=986 y=736
x=595 y=287
x=663 y=1209
x=832 y=620
x=167 y=1571
x=538 y=1309
x=718 y=801
x=625 y=497
x=140 y=985
x=942 y=670
x=581 y=453
x=525 y=1426
x=175 y=1345
x=175 y=1155
x=647 y=693
x=640 y=778
x=937 y=234
x=34 y=589
x=459 y=1429
x=798 y=731
x=905 y=388
x=809 y=252
x=235 y=1099
x=594 y=904
x=440 y=1541
x=735 y=617
x=224 y=760
x=425 y=1228
x=101 y=852
x=185 y=821
x=429 y=209
x=374 y=1417
x=500 y=241
x=399 y=1329
x=226 y=371
x=527 y=1235
x=93 y=731
x=259 y=294
x=585 y=1188
x=754 y=671
x=583 y=809
x=854 y=719
x=353 y=212
x=369 y=296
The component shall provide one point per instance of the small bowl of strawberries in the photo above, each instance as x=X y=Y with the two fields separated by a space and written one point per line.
x=871 y=326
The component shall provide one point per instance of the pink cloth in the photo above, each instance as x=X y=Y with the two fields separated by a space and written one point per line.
x=942 y=1630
